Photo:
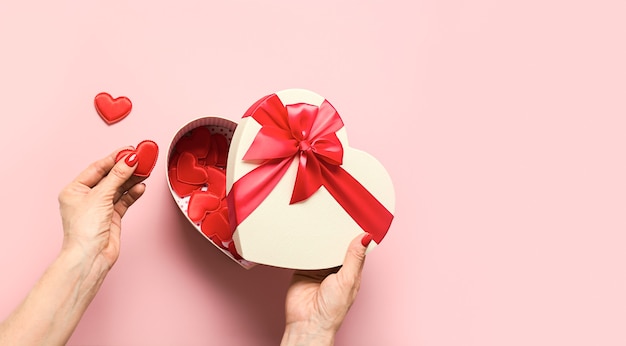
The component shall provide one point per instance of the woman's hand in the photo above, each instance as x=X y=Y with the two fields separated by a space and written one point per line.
x=317 y=301
x=92 y=207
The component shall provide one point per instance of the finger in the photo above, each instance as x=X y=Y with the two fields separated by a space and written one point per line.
x=129 y=198
x=134 y=180
x=354 y=260
x=119 y=174
x=97 y=170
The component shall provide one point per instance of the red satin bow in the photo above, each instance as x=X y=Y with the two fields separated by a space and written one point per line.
x=305 y=132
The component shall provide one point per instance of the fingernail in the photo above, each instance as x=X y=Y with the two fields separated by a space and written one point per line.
x=366 y=240
x=131 y=159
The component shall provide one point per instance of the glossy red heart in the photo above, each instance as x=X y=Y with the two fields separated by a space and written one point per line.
x=216 y=179
x=216 y=225
x=210 y=160
x=112 y=110
x=202 y=203
x=181 y=189
x=147 y=153
x=198 y=142
x=217 y=241
x=188 y=171
x=219 y=145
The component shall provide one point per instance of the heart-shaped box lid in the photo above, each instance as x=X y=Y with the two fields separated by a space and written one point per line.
x=297 y=193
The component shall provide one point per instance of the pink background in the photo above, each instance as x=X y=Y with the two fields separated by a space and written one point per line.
x=501 y=123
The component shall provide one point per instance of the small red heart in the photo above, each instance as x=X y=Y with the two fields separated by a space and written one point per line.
x=147 y=153
x=219 y=144
x=188 y=171
x=112 y=110
x=198 y=143
x=202 y=203
x=216 y=224
x=211 y=158
x=181 y=189
x=216 y=178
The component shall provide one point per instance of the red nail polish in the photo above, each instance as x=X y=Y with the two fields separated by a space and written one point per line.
x=366 y=240
x=131 y=159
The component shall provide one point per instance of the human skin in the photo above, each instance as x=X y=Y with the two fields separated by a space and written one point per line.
x=92 y=207
x=317 y=301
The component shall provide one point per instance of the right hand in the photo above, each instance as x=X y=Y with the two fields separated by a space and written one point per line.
x=318 y=300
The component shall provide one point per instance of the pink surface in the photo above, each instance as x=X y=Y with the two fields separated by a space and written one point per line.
x=502 y=124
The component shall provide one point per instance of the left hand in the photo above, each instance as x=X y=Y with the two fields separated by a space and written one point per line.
x=92 y=207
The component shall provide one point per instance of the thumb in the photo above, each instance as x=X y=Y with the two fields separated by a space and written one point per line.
x=355 y=257
x=119 y=174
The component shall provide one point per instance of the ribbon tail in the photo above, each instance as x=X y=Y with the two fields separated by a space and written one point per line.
x=357 y=201
x=250 y=191
x=308 y=178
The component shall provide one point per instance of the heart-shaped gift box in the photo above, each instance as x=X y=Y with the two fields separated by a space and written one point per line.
x=295 y=194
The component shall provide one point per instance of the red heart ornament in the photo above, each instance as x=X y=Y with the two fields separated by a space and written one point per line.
x=181 y=189
x=112 y=110
x=216 y=225
x=198 y=143
x=216 y=179
x=219 y=145
x=188 y=171
x=218 y=242
x=202 y=203
x=211 y=159
x=147 y=153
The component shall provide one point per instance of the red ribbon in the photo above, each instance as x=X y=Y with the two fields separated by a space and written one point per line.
x=305 y=132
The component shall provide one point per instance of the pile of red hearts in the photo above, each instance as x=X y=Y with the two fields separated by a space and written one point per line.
x=196 y=169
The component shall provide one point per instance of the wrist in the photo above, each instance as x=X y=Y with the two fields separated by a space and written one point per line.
x=56 y=303
x=82 y=264
x=303 y=333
